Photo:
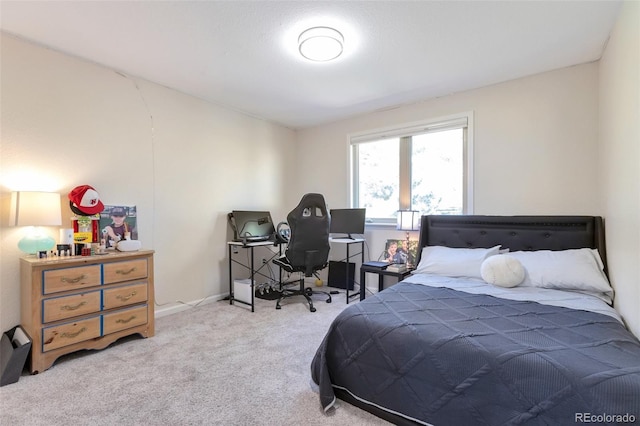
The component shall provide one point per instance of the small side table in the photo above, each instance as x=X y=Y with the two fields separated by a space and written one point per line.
x=381 y=273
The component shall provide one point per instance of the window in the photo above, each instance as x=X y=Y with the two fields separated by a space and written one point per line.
x=420 y=166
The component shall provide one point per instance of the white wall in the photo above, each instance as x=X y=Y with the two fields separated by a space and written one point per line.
x=535 y=144
x=66 y=122
x=620 y=164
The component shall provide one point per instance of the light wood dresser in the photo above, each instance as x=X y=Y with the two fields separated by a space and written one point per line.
x=85 y=302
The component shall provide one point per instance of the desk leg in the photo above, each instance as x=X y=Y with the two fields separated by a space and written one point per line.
x=230 y=277
x=253 y=273
x=346 y=276
x=280 y=267
x=380 y=282
x=362 y=286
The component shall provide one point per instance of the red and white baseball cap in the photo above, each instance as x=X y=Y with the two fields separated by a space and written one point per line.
x=85 y=201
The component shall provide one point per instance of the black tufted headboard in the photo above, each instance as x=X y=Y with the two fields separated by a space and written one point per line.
x=513 y=232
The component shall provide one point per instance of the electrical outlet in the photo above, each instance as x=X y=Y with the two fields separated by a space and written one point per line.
x=264 y=261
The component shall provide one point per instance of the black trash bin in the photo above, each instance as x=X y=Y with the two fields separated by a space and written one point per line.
x=14 y=349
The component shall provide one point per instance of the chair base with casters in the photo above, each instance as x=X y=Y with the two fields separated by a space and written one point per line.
x=306 y=292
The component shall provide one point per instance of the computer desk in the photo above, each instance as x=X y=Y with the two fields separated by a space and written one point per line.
x=233 y=247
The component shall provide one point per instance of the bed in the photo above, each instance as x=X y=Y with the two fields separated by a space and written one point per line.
x=458 y=343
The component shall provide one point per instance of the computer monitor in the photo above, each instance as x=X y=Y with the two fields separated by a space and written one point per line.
x=253 y=225
x=347 y=221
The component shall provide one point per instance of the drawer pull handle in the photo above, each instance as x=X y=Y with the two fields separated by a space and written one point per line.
x=127 y=297
x=72 y=335
x=73 y=308
x=73 y=280
x=123 y=272
x=125 y=321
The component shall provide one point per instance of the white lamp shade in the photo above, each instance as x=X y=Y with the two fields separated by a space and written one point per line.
x=30 y=208
x=408 y=220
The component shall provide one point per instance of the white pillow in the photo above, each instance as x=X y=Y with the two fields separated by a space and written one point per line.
x=576 y=269
x=454 y=262
x=502 y=270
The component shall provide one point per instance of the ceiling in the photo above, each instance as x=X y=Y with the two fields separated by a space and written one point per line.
x=243 y=54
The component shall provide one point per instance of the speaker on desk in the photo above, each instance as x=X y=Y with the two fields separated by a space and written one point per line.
x=338 y=274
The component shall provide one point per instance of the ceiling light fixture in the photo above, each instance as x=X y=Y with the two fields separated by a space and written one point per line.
x=320 y=44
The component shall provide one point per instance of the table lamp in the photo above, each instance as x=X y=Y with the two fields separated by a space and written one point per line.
x=408 y=220
x=35 y=209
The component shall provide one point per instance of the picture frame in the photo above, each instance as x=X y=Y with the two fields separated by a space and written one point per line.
x=116 y=221
x=400 y=251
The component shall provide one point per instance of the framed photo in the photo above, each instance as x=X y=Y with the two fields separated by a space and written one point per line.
x=399 y=251
x=116 y=222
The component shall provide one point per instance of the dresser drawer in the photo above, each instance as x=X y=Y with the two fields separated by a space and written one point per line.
x=64 y=279
x=125 y=295
x=124 y=319
x=59 y=308
x=125 y=271
x=70 y=333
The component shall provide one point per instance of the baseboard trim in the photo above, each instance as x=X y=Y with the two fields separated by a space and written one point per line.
x=175 y=307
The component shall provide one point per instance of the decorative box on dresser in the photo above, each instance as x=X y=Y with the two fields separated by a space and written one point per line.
x=85 y=302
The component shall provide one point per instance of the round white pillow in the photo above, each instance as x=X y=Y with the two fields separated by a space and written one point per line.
x=502 y=270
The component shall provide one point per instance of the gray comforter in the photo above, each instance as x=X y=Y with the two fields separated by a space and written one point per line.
x=446 y=357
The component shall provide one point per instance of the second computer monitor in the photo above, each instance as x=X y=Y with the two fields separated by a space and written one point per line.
x=347 y=221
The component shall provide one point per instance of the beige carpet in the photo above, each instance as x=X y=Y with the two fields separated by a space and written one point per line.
x=214 y=364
